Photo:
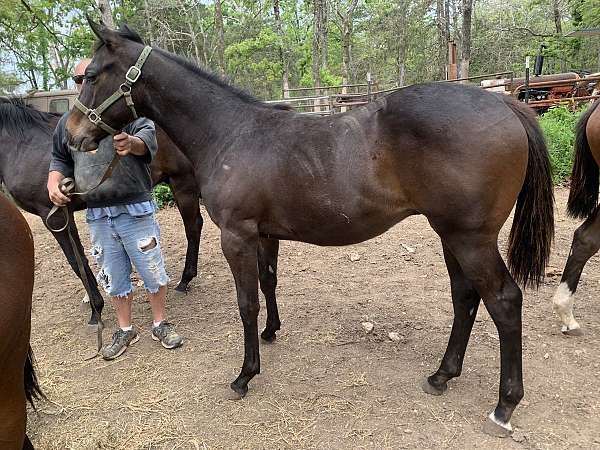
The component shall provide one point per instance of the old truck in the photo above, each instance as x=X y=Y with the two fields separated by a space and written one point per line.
x=58 y=101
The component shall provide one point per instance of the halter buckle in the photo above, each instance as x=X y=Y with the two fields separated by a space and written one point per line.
x=94 y=117
x=125 y=88
x=133 y=74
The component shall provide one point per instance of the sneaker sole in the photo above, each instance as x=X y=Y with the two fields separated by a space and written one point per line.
x=168 y=347
x=133 y=341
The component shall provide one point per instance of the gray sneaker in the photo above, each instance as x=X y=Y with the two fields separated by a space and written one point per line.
x=166 y=335
x=120 y=341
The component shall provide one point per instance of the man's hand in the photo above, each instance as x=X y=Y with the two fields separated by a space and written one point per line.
x=126 y=144
x=56 y=196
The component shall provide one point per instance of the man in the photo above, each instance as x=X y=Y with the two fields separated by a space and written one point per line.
x=121 y=220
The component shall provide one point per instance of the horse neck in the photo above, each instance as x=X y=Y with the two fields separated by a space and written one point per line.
x=194 y=111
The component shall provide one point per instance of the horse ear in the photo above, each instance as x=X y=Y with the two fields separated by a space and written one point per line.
x=105 y=34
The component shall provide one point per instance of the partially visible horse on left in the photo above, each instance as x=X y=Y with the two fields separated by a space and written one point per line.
x=18 y=382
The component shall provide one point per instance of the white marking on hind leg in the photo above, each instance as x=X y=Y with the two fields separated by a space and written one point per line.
x=563 y=306
x=506 y=426
x=85 y=299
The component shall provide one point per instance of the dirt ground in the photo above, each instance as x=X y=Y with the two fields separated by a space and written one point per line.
x=325 y=382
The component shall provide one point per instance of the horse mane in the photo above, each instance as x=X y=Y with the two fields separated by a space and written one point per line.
x=16 y=117
x=127 y=33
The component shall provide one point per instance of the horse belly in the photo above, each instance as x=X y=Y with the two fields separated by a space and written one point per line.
x=334 y=228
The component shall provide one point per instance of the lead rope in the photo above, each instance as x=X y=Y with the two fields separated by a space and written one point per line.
x=67 y=186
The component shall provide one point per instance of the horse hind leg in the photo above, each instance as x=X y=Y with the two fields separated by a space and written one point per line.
x=27 y=445
x=187 y=198
x=465 y=301
x=483 y=266
x=586 y=242
x=268 y=250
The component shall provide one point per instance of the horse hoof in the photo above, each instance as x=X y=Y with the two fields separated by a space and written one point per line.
x=429 y=388
x=493 y=427
x=572 y=332
x=93 y=322
x=181 y=288
x=237 y=392
x=180 y=293
x=268 y=336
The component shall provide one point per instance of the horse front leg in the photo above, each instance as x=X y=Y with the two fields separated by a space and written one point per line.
x=268 y=251
x=240 y=246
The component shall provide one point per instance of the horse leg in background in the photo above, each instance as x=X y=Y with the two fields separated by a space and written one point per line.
x=188 y=202
x=62 y=238
x=586 y=242
x=465 y=301
x=482 y=264
x=268 y=250
x=240 y=247
x=27 y=445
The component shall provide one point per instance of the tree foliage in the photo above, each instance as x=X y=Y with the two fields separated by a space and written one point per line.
x=262 y=45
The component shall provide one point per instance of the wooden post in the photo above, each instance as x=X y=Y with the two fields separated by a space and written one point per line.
x=527 y=79
x=451 y=68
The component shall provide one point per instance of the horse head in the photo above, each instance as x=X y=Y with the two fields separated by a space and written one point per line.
x=108 y=73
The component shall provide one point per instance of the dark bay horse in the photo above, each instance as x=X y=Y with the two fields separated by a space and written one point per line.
x=458 y=155
x=582 y=204
x=18 y=382
x=25 y=152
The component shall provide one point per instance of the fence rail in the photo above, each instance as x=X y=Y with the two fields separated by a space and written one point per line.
x=335 y=102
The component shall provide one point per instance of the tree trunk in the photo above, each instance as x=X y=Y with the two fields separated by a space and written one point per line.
x=106 y=13
x=319 y=53
x=220 y=32
x=559 y=32
x=465 y=57
x=557 y=18
x=347 y=28
x=148 y=23
x=401 y=33
x=319 y=39
x=402 y=64
x=442 y=40
x=283 y=52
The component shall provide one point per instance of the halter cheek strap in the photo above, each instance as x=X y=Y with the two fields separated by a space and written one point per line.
x=132 y=75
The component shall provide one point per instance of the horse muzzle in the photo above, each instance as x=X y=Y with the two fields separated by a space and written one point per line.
x=82 y=143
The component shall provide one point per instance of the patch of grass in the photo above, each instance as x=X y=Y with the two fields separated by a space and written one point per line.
x=558 y=125
x=163 y=195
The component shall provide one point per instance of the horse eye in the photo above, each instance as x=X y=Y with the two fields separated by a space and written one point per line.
x=90 y=77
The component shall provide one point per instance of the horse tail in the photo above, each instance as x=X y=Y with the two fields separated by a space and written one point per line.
x=32 y=387
x=583 y=196
x=532 y=230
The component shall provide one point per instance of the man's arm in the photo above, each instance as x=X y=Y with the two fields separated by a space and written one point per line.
x=61 y=165
x=138 y=138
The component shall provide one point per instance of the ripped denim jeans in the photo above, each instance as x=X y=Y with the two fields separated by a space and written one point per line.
x=117 y=243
